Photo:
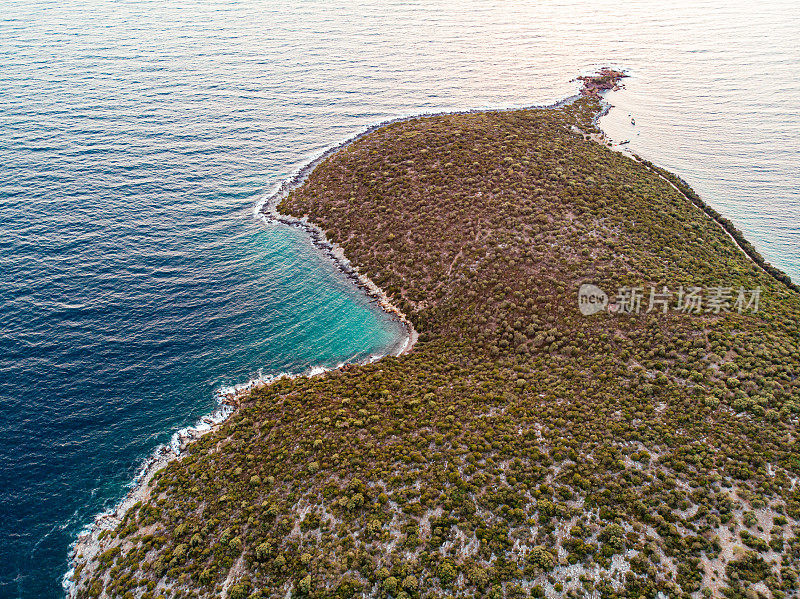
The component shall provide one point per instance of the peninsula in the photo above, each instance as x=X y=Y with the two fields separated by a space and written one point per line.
x=522 y=448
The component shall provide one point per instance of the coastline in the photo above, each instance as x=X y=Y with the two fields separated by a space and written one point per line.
x=268 y=209
x=682 y=187
x=89 y=542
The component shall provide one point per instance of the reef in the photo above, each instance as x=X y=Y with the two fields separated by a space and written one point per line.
x=603 y=80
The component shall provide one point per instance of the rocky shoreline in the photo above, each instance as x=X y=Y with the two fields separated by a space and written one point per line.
x=606 y=79
x=271 y=215
x=268 y=208
x=94 y=539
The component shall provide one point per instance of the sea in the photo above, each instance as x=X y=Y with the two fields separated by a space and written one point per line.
x=138 y=138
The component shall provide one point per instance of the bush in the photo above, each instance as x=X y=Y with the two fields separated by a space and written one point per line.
x=239 y=591
x=390 y=585
x=304 y=586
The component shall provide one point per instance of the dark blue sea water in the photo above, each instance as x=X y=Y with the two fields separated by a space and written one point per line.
x=136 y=137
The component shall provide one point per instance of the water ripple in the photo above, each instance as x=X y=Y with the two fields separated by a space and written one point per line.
x=135 y=138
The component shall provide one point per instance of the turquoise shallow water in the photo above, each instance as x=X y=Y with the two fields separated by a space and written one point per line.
x=136 y=137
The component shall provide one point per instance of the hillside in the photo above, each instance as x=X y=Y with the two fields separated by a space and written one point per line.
x=521 y=448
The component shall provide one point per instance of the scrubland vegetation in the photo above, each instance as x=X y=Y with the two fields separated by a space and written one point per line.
x=521 y=449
